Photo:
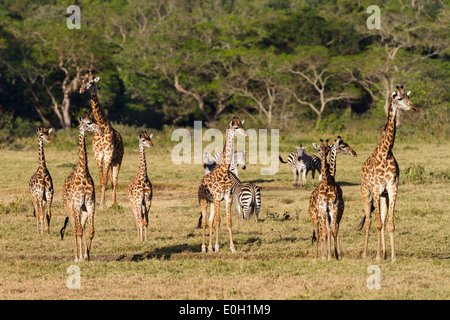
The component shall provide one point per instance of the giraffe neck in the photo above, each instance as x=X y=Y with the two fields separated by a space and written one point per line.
x=82 y=159
x=99 y=113
x=325 y=171
x=386 y=143
x=333 y=158
x=142 y=162
x=42 y=163
x=227 y=151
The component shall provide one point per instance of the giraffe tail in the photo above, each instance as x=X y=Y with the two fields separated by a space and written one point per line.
x=313 y=238
x=64 y=228
x=363 y=220
x=200 y=221
x=282 y=160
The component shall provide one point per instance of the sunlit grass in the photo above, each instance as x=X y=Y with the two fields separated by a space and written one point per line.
x=274 y=258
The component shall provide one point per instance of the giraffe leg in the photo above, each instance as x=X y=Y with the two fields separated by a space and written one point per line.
x=228 y=211
x=328 y=229
x=392 y=192
x=335 y=231
x=104 y=181
x=376 y=203
x=367 y=202
x=90 y=209
x=383 y=212
x=115 y=167
x=136 y=219
x=41 y=217
x=217 y=224
x=36 y=210
x=316 y=233
x=203 y=208
x=323 y=231
x=74 y=222
x=147 y=206
x=84 y=216
x=99 y=159
x=210 y=224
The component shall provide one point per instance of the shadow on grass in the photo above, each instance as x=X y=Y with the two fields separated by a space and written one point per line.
x=345 y=183
x=164 y=253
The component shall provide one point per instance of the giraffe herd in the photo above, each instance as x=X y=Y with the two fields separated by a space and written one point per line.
x=379 y=183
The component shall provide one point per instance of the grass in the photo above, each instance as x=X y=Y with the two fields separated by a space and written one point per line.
x=273 y=258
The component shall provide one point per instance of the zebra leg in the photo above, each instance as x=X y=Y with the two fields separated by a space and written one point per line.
x=294 y=172
x=246 y=211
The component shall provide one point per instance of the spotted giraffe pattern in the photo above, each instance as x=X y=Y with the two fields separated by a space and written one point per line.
x=107 y=146
x=330 y=205
x=41 y=185
x=79 y=193
x=343 y=148
x=380 y=175
x=216 y=186
x=140 y=191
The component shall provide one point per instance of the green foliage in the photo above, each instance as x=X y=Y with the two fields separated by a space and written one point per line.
x=229 y=57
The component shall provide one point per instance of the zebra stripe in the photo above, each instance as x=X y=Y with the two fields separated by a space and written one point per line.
x=301 y=163
x=246 y=197
x=237 y=159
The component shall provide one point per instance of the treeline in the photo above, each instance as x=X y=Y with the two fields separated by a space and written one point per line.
x=168 y=62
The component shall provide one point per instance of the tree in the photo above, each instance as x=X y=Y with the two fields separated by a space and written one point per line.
x=317 y=81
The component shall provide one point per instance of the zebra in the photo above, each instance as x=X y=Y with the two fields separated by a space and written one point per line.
x=245 y=196
x=301 y=162
x=238 y=159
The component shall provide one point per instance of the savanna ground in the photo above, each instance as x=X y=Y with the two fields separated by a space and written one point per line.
x=274 y=258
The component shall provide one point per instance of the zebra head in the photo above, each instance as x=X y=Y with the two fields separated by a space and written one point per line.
x=300 y=151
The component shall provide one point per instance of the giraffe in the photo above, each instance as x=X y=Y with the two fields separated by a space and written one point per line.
x=41 y=185
x=330 y=204
x=107 y=146
x=140 y=189
x=79 y=193
x=380 y=176
x=216 y=185
x=343 y=148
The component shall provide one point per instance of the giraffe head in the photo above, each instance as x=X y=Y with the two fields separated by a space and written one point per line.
x=344 y=148
x=43 y=134
x=324 y=148
x=237 y=127
x=88 y=123
x=145 y=139
x=400 y=100
x=88 y=82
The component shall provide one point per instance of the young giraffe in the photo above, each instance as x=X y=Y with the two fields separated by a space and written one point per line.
x=330 y=204
x=79 y=193
x=216 y=185
x=107 y=146
x=342 y=148
x=140 y=190
x=41 y=185
x=380 y=174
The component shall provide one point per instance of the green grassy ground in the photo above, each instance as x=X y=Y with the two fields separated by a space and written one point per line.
x=274 y=258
